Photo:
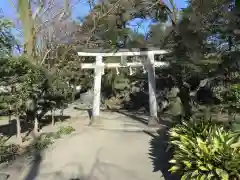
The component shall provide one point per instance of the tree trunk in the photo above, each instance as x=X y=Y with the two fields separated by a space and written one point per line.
x=18 y=125
x=9 y=114
x=61 y=111
x=74 y=91
x=35 y=125
x=52 y=114
x=230 y=43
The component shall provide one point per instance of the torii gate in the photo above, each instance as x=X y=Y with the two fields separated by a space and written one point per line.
x=149 y=65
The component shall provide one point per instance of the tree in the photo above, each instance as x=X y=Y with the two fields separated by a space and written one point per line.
x=32 y=16
x=7 y=43
x=14 y=76
x=107 y=23
x=7 y=40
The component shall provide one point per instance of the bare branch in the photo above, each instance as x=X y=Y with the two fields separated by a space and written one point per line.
x=45 y=56
x=114 y=6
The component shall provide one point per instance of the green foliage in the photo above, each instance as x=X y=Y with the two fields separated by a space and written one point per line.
x=113 y=82
x=64 y=65
x=232 y=97
x=108 y=22
x=65 y=130
x=7 y=40
x=204 y=150
x=30 y=87
x=45 y=140
x=7 y=152
x=16 y=75
x=42 y=143
x=33 y=84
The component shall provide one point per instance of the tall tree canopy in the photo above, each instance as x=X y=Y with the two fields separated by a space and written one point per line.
x=7 y=40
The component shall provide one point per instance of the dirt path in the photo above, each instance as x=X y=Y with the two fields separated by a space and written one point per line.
x=99 y=155
x=116 y=149
x=91 y=155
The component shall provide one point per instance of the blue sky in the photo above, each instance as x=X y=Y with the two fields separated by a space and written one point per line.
x=79 y=10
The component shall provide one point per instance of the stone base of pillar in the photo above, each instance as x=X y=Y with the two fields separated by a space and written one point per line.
x=153 y=121
x=95 y=120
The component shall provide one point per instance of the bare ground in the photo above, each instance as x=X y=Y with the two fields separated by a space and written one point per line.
x=117 y=148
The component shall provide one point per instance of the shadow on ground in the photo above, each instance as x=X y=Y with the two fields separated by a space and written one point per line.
x=99 y=171
x=34 y=169
x=159 y=154
x=36 y=162
x=16 y=168
x=133 y=115
x=10 y=129
x=47 y=120
x=89 y=110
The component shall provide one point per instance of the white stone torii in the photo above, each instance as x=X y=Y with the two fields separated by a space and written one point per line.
x=149 y=65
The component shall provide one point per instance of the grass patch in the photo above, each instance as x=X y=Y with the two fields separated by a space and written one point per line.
x=46 y=140
x=65 y=130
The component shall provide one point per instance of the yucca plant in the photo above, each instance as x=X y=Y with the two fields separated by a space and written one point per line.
x=204 y=150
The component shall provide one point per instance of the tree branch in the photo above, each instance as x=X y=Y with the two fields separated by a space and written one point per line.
x=114 y=6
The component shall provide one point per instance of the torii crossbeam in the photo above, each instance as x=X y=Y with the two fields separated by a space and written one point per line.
x=149 y=65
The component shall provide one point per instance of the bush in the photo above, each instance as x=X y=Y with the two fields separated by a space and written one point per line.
x=46 y=140
x=65 y=130
x=7 y=152
x=231 y=97
x=203 y=150
x=42 y=143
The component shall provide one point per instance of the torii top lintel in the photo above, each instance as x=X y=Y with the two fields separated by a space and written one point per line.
x=122 y=52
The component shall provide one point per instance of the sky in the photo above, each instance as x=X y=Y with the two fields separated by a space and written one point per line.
x=80 y=10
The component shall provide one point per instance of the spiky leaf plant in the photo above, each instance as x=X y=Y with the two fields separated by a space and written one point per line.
x=204 y=150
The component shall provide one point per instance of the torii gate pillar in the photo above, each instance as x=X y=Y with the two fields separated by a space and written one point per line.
x=97 y=89
x=153 y=106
